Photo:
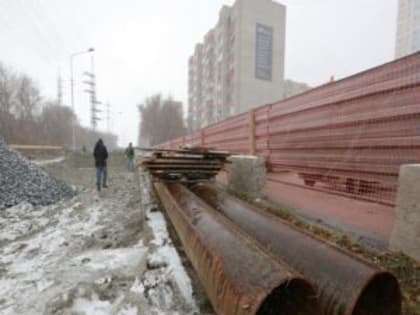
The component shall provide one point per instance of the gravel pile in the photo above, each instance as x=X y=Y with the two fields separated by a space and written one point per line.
x=21 y=180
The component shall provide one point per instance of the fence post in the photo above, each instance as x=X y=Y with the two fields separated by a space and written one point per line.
x=202 y=138
x=268 y=121
x=405 y=235
x=251 y=133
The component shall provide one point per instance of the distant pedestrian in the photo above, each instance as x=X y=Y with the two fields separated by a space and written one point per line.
x=101 y=155
x=129 y=152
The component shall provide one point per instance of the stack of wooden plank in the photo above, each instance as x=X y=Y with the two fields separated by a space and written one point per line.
x=185 y=165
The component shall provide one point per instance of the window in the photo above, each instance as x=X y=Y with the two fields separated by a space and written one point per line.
x=415 y=41
x=264 y=52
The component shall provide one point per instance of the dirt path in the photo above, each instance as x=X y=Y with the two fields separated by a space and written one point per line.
x=107 y=253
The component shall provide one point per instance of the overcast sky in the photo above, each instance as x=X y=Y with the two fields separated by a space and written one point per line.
x=142 y=46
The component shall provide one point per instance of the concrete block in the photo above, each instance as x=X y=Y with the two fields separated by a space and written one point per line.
x=406 y=234
x=247 y=175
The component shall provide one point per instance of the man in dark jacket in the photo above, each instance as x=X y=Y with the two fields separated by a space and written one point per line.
x=129 y=152
x=101 y=155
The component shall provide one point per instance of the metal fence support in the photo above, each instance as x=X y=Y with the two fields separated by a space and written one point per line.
x=251 y=132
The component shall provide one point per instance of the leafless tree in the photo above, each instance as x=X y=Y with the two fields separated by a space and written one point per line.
x=57 y=123
x=161 y=119
x=28 y=98
x=25 y=118
x=7 y=89
x=7 y=99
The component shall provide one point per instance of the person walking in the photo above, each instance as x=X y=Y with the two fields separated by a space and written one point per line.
x=101 y=155
x=129 y=152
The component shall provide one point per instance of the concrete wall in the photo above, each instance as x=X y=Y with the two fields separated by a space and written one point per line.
x=406 y=233
x=247 y=176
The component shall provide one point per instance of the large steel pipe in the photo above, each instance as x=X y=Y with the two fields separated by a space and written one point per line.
x=346 y=284
x=238 y=276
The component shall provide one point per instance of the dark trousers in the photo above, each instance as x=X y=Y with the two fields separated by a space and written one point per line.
x=101 y=175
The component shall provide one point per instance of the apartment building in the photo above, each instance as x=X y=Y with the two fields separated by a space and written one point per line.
x=195 y=88
x=408 y=28
x=240 y=64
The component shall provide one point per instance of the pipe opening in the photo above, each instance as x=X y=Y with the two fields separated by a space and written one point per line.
x=382 y=296
x=295 y=297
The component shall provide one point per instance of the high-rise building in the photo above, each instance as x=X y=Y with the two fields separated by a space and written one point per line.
x=408 y=29
x=240 y=64
x=195 y=88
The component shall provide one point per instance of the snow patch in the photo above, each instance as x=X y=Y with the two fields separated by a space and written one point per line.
x=124 y=260
x=128 y=310
x=166 y=257
x=92 y=306
x=49 y=161
x=137 y=287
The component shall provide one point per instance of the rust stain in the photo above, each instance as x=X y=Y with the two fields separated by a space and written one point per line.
x=346 y=284
x=239 y=277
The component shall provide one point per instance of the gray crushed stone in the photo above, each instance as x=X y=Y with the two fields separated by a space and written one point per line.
x=23 y=181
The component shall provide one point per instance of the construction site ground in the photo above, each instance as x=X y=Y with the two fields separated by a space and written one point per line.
x=106 y=253
x=114 y=252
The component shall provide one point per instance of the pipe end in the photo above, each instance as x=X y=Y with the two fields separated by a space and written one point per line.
x=381 y=296
x=294 y=297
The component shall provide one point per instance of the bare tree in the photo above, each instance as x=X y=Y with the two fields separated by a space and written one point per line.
x=7 y=99
x=7 y=89
x=161 y=119
x=57 y=123
x=149 y=117
x=171 y=115
x=25 y=118
x=28 y=98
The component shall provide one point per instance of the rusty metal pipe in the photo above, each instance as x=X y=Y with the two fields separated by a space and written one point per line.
x=346 y=284
x=238 y=276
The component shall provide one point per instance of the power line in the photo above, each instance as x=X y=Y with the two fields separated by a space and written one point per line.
x=59 y=90
x=108 y=117
x=41 y=36
x=42 y=13
x=91 y=90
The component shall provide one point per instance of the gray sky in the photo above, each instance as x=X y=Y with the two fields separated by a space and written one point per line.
x=142 y=46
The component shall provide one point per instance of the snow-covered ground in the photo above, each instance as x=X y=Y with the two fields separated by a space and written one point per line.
x=107 y=254
x=49 y=161
x=169 y=271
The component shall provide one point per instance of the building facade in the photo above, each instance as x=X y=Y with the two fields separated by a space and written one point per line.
x=195 y=87
x=292 y=88
x=408 y=28
x=240 y=64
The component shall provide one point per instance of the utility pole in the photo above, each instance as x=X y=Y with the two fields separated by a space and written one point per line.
x=59 y=90
x=72 y=56
x=108 y=117
x=91 y=90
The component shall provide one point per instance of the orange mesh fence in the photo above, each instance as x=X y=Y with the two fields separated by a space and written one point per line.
x=348 y=137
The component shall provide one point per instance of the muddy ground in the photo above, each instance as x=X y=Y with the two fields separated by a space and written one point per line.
x=98 y=253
